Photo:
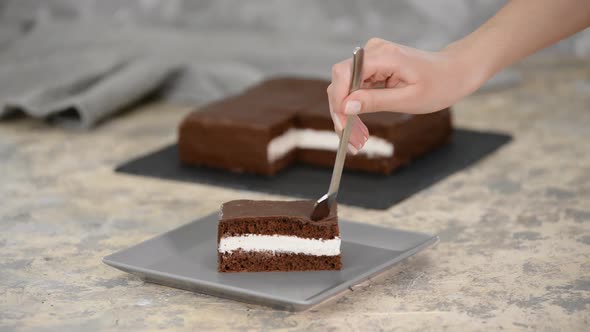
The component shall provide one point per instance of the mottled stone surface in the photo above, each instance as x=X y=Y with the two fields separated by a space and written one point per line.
x=515 y=228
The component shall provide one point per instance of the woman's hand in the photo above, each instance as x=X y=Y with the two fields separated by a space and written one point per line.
x=402 y=79
x=399 y=79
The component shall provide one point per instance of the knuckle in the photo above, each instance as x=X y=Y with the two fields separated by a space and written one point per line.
x=336 y=70
x=374 y=42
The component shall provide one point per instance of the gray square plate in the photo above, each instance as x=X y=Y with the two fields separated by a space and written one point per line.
x=186 y=258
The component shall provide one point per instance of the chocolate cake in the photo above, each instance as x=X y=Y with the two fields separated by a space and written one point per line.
x=284 y=120
x=256 y=236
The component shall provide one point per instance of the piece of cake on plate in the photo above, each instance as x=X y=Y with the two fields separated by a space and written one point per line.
x=255 y=236
x=285 y=120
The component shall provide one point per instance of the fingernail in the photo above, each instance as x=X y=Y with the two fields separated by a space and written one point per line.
x=352 y=107
x=336 y=120
x=352 y=149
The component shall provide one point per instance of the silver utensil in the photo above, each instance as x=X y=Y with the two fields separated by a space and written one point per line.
x=324 y=205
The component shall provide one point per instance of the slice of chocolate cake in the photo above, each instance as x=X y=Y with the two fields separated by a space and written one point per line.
x=283 y=120
x=255 y=236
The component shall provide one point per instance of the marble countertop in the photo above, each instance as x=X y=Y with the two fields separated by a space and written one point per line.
x=515 y=228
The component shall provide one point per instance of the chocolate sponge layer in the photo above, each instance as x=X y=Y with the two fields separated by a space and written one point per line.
x=240 y=261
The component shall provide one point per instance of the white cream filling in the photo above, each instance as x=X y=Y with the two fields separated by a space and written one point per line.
x=322 y=140
x=280 y=244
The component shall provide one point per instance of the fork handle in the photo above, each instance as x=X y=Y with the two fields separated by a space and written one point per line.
x=355 y=84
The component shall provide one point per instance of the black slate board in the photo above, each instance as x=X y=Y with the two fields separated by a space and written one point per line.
x=357 y=188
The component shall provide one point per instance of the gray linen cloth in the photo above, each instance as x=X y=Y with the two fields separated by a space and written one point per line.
x=79 y=73
x=77 y=84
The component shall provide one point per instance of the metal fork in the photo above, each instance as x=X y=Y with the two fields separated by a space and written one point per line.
x=324 y=204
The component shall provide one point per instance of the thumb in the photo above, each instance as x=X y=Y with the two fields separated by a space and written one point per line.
x=378 y=100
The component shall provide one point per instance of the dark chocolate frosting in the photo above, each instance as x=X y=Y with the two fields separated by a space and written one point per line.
x=250 y=208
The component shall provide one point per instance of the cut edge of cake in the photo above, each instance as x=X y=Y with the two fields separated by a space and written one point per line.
x=260 y=236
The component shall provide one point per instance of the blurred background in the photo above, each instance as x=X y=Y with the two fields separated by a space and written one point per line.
x=428 y=24
x=218 y=47
x=514 y=235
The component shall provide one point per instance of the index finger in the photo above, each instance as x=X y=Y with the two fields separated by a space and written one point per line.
x=338 y=89
x=377 y=64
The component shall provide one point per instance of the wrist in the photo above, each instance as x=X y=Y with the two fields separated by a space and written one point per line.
x=468 y=63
